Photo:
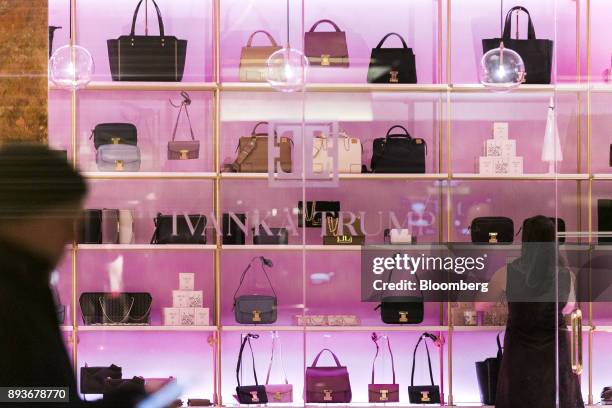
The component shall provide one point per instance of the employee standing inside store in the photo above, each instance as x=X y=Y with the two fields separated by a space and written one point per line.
x=527 y=376
x=41 y=197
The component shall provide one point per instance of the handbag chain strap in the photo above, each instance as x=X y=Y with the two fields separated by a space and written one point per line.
x=313 y=211
x=107 y=317
x=275 y=340
x=263 y=268
x=183 y=105
x=423 y=336
x=247 y=339
x=375 y=339
x=333 y=229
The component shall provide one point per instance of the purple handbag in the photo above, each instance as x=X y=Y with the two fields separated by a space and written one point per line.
x=278 y=392
x=327 y=384
x=383 y=392
x=326 y=48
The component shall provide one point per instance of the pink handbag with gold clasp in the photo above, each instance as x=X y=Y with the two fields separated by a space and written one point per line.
x=278 y=392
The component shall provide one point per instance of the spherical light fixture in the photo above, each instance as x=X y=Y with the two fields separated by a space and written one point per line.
x=287 y=70
x=71 y=67
x=502 y=69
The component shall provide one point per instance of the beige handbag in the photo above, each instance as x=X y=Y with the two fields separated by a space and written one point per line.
x=253 y=153
x=253 y=59
x=349 y=154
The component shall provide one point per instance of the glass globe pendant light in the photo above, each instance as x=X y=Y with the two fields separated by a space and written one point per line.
x=287 y=67
x=71 y=67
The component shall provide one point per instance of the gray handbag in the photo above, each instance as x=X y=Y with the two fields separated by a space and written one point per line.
x=118 y=157
x=110 y=226
x=183 y=149
x=256 y=309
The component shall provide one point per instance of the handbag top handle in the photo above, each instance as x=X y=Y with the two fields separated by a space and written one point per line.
x=375 y=340
x=159 y=19
x=247 y=339
x=184 y=104
x=380 y=44
x=508 y=23
x=316 y=360
x=272 y=41
x=264 y=264
x=315 y=25
x=254 y=131
x=276 y=339
x=423 y=336
x=406 y=134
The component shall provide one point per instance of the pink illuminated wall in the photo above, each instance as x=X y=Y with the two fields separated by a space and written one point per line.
x=454 y=126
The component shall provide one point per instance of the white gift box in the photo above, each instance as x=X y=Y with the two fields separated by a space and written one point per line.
x=202 y=316
x=515 y=166
x=500 y=130
x=485 y=165
x=500 y=148
x=186 y=281
x=187 y=316
x=172 y=316
x=187 y=298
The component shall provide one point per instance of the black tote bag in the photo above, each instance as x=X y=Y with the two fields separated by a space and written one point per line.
x=536 y=54
x=147 y=57
x=392 y=65
x=487 y=372
x=398 y=153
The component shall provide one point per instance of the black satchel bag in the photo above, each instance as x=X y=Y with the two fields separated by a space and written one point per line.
x=256 y=309
x=560 y=222
x=392 y=65
x=249 y=394
x=93 y=378
x=492 y=230
x=114 y=133
x=536 y=54
x=179 y=229
x=423 y=394
x=91 y=227
x=277 y=236
x=147 y=57
x=398 y=153
x=314 y=212
x=131 y=386
x=604 y=220
x=233 y=234
x=401 y=309
x=116 y=308
x=487 y=372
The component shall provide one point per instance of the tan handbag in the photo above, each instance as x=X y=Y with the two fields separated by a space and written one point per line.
x=253 y=59
x=349 y=154
x=253 y=153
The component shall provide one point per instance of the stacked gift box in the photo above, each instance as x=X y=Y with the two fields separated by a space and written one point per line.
x=500 y=154
x=187 y=305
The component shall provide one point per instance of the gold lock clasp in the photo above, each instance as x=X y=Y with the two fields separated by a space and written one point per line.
x=425 y=396
x=183 y=154
x=403 y=317
x=393 y=77
x=256 y=316
x=119 y=165
x=328 y=395
x=384 y=395
x=492 y=237
x=277 y=396
x=115 y=140
x=325 y=60
x=254 y=397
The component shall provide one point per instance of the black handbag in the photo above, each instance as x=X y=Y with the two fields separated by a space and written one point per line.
x=392 y=65
x=256 y=309
x=93 y=378
x=536 y=54
x=277 y=236
x=423 y=394
x=492 y=230
x=91 y=227
x=604 y=219
x=233 y=234
x=560 y=222
x=114 y=133
x=115 y=308
x=487 y=372
x=179 y=229
x=401 y=309
x=147 y=57
x=249 y=394
x=123 y=386
x=398 y=153
x=314 y=212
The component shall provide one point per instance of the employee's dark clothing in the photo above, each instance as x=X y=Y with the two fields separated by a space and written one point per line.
x=527 y=374
x=32 y=351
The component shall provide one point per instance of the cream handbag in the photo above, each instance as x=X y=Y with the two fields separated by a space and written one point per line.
x=254 y=59
x=349 y=154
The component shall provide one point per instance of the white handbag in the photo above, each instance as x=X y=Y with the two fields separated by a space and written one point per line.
x=126 y=226
x=349 y=154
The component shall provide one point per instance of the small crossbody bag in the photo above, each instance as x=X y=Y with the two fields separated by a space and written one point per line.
x=278 y=392
x=183 y=149
x=383 y=392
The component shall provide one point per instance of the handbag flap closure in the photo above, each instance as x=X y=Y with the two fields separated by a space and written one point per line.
x=383 y=392
x=262 y=303
x=184 y=145
x=119 y=152
x=319 y=379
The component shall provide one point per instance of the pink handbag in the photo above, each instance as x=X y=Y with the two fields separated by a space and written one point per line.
x=278 y=392
x=383 y=392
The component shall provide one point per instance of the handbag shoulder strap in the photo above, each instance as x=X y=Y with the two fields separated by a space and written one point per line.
x=155 y=231
x=380 y=44
x=500 y=349
x=184 y=104
x=424 y=336
x=272 y=41
x=316 y=360
x=263 y=267
x=247 y=339
x=159 y=18
x=508 y=23
x=275 y=341
x=375 y=340
x=315 y=25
